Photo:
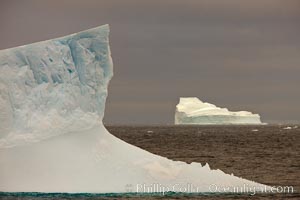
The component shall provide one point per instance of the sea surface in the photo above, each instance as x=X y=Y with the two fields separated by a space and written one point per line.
x=268 y=154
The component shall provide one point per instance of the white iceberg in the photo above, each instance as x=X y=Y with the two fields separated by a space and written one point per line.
x=287 y=128
x=52 y=99
x=191 y=110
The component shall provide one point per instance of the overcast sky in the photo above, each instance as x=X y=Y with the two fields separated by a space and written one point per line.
x=243 y=55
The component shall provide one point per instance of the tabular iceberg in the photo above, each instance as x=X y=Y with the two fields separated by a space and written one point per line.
x=52 y=99
x=191 y=110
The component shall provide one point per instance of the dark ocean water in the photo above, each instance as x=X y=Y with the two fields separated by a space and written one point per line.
x=266 y=154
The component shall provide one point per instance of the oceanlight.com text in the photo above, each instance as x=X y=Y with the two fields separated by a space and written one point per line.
x=162 y=189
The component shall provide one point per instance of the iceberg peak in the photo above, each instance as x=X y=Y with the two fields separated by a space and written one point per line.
x=54 y=87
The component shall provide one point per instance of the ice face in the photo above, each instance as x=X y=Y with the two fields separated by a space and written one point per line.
x=52 y=97
x=54 y=87
x=191 y=110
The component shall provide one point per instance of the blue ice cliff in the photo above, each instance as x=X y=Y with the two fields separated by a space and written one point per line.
x=52 y=100
x=54 y=87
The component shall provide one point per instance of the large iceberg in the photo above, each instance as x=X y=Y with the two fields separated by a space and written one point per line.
x=191 y=110
x=52 y=99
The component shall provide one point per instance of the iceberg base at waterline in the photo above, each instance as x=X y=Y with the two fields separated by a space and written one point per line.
x=95 y=161
x=52 y=139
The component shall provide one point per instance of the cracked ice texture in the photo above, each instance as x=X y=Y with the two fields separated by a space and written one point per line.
x=53 y=87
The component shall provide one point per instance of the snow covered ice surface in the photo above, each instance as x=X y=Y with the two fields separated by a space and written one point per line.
x=52 y=100
x=191 y=110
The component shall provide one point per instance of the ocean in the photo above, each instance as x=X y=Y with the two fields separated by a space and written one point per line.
x=268 y=154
